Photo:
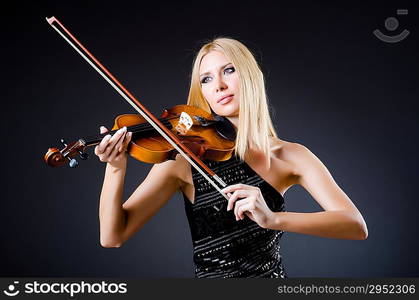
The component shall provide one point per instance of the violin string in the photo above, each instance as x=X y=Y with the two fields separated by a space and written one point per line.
x=133 y=129
x=140 y=128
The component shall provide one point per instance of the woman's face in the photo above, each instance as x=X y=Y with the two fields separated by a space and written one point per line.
x=220 y=84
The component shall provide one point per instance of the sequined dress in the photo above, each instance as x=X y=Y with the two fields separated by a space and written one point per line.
x=222 y=246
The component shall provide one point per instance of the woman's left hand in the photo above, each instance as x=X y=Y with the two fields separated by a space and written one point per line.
x=251 y=203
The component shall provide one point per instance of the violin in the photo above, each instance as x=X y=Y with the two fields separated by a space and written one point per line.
x=208 y=136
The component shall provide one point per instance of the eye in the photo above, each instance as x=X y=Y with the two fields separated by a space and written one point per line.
x=229 y=70
x=205 y=79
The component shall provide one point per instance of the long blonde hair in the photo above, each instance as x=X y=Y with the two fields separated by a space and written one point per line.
x=255 y=124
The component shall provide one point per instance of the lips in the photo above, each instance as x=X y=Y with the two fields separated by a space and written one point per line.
x=225 y=99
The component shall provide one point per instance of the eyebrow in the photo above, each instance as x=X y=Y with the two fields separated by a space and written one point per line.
x=222 y=67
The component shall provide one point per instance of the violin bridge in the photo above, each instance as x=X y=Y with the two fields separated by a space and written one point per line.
x=184 y=124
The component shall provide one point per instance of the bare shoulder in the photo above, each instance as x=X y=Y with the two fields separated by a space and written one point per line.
x=297 y=155
x=285 y=150
x=292 y=153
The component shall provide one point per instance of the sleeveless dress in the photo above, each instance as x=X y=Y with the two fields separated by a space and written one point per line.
x=222 y=246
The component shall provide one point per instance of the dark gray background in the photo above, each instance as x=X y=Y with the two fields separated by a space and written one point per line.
x=334 y=87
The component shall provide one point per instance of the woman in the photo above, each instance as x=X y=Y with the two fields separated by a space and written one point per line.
x=238 y=237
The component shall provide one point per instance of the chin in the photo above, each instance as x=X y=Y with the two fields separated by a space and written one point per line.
x=227 y=111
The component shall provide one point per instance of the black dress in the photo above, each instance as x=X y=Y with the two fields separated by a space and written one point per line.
x=222 y=246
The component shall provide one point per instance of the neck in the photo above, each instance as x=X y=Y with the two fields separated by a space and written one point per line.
x=234 y=120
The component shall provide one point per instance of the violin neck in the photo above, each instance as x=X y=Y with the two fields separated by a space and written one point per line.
x=138 y=131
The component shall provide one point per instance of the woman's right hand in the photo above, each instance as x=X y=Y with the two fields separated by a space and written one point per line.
x=112 y=149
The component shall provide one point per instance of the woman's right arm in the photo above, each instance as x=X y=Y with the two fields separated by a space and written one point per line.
x=118 y=222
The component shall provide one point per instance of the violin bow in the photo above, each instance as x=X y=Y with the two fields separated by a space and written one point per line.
x=194 y=160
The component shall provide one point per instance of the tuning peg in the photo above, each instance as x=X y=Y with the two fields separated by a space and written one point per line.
x=83 y=155
x=63 y=142
x=73 y=163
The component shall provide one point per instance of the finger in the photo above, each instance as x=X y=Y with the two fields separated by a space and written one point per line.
x=119 y=146
x=238 y=186
x=103 y=129
x=100 y=150
x=115 y=150
x=125 y=144
x=103 y=144
x=97 y=147
x=239 y=204
x=247 y=207
x=114 y=139
x=235 y=196
x=228 y=197
x=232 y=188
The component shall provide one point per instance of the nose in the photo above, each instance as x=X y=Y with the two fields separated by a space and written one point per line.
x=220 y=85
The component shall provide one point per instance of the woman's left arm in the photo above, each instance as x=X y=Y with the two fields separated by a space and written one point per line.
x=341 y=219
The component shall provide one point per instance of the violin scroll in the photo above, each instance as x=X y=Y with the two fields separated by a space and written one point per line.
x=58 y=158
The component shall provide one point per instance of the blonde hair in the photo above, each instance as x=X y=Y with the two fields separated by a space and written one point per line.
x=255 y=125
